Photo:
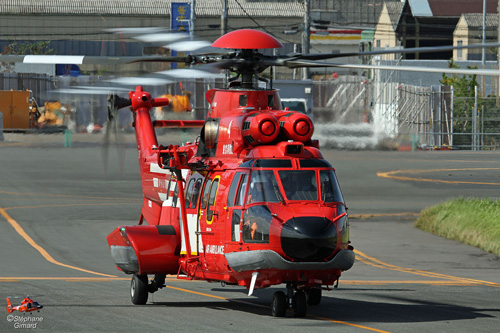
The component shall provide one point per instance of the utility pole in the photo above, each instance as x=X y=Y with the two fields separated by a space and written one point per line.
x=498 y=52
x=306 y=35
x=192 y=18
x=223 y=23
x=498 y=34
x=483 y=58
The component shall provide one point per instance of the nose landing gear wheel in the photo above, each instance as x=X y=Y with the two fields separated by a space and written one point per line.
x=279 y=304
x=139 y=289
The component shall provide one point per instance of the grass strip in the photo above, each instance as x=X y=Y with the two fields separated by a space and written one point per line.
x=473 y=221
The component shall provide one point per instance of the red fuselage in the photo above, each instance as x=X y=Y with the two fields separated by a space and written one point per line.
x=254 y=194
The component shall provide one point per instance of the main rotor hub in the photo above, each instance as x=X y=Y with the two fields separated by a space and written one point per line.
x=247 y=39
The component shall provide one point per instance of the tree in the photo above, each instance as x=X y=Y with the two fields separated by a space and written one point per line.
x=16 y=48
x=463 y=109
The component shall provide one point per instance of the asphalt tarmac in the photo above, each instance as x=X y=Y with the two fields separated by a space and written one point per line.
x=57 y=205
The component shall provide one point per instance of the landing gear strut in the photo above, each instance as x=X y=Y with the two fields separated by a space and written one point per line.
x=140 y=288
x=295 y=299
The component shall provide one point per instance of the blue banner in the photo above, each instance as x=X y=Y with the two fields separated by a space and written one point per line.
x=179 y=21
x=181 y=16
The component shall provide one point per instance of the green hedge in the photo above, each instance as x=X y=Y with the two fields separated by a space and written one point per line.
x=471 y=221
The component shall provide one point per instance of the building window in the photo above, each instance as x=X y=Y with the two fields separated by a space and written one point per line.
x=377 y=43
x=459 y=51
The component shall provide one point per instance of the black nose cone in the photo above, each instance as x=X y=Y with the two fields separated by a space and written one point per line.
x=308 y=238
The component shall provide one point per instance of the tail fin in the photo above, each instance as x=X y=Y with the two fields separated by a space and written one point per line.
x=9 y=306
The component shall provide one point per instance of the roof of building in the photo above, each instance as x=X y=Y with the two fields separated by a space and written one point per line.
x=394 y=10
x=420 y=7
x=455 y=8
x=150 y=7
x=475 y=20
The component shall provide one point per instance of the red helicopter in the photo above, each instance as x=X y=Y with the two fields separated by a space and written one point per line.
x=252 y=202
x=27 y=305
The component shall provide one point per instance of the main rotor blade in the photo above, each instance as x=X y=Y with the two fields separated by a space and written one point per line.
x=91 y=90
x=83 y=60
x=163 y=37
x=186 y=73
x=136 y=31
x=141 y=81
x=491 y=72
x=190 y=46
x=429 y=49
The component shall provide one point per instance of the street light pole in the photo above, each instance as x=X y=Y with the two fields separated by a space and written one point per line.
x=306 y=35
x=192 y=18
x=484 y=34
x=223 y=24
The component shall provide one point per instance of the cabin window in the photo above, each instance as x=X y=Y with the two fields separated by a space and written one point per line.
x=330 y=189
x=263 y=187
x=243 y=100
x=273 y=163
x=241 y=191
x=270 y=101
x=232 y=189
x=176 y=195
x=247 y=164
x=256 y=224
x=168 y=186
x=235 y=228
x=312 y=163
x=189 y=191
x=211 y=199
x=299 y=184
x=196 y=193
x=205 y=193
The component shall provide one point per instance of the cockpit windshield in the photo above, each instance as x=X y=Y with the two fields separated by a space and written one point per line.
x=272 y=183
x=263 y=187
x=299 y=184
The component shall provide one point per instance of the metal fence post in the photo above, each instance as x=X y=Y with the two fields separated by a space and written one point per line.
x=474 y=122
x=1 y=127
x=451 y=114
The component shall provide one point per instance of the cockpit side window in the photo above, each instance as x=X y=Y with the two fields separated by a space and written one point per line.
x=330 y=189
x=232 y=189
x=256 y=224
x=240 y=198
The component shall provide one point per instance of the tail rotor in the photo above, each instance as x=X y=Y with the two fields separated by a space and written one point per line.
x=115 y=103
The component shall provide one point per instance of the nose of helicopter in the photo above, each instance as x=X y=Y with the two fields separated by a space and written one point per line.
x=308 y=238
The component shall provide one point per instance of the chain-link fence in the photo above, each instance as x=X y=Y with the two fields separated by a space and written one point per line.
x=476 y=123
x=88 y=106
x=343 y=100
x=434 y=118
x=356 y=110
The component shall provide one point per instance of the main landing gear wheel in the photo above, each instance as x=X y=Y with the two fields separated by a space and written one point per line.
x=314 y=296
x=294 y=299
x=279 y=304
x=300 y=304
x=139 y=289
